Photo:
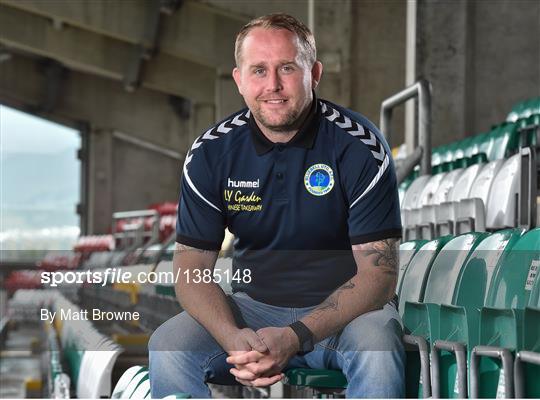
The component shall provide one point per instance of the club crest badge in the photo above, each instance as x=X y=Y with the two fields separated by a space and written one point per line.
x=319 y=179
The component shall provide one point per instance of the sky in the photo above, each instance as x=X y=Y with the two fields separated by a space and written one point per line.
x=24 y=133
x=39 y=182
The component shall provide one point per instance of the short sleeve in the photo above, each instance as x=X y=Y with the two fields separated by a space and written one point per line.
x=200 y=222
x=371 y=190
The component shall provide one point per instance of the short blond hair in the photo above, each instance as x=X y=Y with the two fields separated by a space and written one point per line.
x=279 y=21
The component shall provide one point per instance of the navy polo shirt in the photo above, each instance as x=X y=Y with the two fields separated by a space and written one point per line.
x=295 y=208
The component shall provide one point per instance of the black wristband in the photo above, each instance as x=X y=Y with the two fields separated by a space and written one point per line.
x=305 y=336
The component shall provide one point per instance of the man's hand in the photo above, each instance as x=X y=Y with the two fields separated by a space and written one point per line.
x=255 y=368
x=245 y=340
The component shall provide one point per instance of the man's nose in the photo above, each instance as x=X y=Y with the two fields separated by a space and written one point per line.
x=274 y=81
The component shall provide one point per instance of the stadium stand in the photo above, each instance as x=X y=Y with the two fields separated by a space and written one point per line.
x=468 y=285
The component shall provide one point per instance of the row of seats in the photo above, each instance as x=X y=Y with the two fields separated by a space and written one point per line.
x=462 y=194
x=74 y=343
x=524 y=109
x=471 y=311
x=463 y=200
x=498 y=143
x=473 y=301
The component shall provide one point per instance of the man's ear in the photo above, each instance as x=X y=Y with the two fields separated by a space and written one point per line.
x=237 y=79
x=316 y=74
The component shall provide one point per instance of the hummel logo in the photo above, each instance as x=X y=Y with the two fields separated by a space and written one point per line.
x=242 y=184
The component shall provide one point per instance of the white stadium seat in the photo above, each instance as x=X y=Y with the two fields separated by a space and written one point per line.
x=501 y=204
x=464 y=184
x=446 y=186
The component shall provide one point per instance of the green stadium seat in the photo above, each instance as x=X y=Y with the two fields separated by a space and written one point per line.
x=406 y=252
x=412 y=289
x=475 y=145
x=462 y=162
x=501 y=321
x=462 y=147
x=414 y=281
x=437 y=155
x=529 y=131
x=442 y=168
x=504 y=141
x=421 y=318
x=458 y=323
x=316 y=378
x=527 y=363
x=524 y=109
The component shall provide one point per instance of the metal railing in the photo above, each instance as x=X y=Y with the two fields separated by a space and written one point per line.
x=421 y=90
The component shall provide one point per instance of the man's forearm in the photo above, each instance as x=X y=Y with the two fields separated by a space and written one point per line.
x=205 y=302
x=370 y=289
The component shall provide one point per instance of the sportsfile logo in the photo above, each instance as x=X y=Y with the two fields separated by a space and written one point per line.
x=242 y=184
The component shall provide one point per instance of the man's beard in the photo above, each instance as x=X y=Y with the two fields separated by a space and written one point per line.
x=289 y=122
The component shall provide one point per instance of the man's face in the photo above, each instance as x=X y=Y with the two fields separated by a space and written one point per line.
x=274 y=79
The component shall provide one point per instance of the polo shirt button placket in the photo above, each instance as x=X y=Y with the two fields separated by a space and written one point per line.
x=281 y=165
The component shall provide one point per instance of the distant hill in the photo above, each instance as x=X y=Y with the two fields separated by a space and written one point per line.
x=39 y=190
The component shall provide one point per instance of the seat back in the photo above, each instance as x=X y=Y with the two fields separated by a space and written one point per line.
x=476 y=275
x=124 y=381
x=138 y=379
x=501 y=206
x=505 y=140
x=96 y=371
x=464 y=184
x=446 y=268
x=406 y=252
x=513 y=282
x=415 y=278
x=430 y=189
x=483 y=182
x=412 y=195
x=447 y=185
x=142 y=391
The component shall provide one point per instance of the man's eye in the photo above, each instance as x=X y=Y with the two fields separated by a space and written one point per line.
x=258 y=71
x=287 y=68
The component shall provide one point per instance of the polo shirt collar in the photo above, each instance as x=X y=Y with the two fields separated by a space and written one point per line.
x=304 y=138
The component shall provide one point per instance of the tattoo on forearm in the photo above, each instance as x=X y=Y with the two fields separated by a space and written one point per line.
x=386 y=254
x=332 y=301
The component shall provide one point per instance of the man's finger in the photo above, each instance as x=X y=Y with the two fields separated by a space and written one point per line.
x=244 y=358
x=256 y=343
x=256 y=368
x=243 y=374
x=243 y=382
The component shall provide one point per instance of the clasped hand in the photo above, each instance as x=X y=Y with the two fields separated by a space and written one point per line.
x=259 y=357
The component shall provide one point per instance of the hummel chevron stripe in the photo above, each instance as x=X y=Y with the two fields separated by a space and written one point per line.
x=366 y=136
x=211 y=134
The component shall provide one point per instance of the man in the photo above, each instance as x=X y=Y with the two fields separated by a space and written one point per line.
x=309 y=191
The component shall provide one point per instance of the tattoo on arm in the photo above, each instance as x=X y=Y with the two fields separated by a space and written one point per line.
x=332 y=301
x=386 y=254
